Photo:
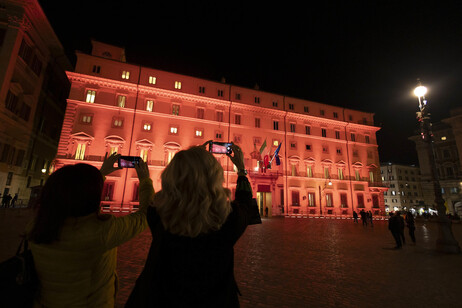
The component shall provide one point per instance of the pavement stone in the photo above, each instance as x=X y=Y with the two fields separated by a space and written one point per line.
x=311 y=262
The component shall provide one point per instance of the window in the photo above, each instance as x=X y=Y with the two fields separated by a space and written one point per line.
x=237 y=138
x=340 y=173
x=152 y=80
x=86 y=118
x=293 y=145
x=201 y=89
x=343 y=200
x=237 y=119
x=238 y=96
x=144 y=154
x=353 y=137
x=295 y=198
x=80 y=151
x=200 y=113
x=291 y=106
x=350 y=118
x=366 y=138
x=275 y=143
x=96 y=69
x=117 y=122
x=90 y=98
x=360 y=200
x=219 y=135
x=19 y=157
x=173 y=130
x=275 y=104
x=371 y=176
x=149 y=105
x=220 y=93
x=325 y=149
x=339 y=151
x=275 y=125
x=113 y=149
x=126 y=75
x=357 y=175
x=337 y=134
x=199 y=132
x=308 y=130
x=292 y=127
x=9 y=179
x=329 y=200
x=326 y=173
x=311 y=199
x=323 y=132
x=257 y=122
x=220 y=116
x=257 y=100
x=355 y=152
x=308 y=147
x=178 y=85
x=11 y=101
x=321 y=112
x=335 y=115
x=309 y=171
x=121 y=99
x=306 y=109
x=294 y=170
x=147 y=126
x=175 y=109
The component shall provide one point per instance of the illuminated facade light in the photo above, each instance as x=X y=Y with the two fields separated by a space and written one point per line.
x=287 y=184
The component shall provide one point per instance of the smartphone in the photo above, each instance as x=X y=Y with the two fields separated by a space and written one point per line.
x=128 y=161
x=220 y=147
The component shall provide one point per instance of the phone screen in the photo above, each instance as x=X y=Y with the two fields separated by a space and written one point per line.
x=220 y=148
x=128 y=161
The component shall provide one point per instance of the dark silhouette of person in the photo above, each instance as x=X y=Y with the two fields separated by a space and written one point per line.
x=363 y=217
x=402 y=225
x=395 y=229
x=74 y=246
x=194 y=228
x=411 y=225
x=13 y=201
x=4 y=198
x=355 y=217
x=369 y=215
x=8 y=200
x=266 y=211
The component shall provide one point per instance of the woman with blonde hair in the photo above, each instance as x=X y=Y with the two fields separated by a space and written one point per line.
x=194 y=227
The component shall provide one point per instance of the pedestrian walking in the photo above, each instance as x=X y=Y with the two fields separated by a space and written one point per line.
x=370 y=218
x=411 y=225
x=4 y=200
x=363 y=217
x=15 y=198
x=266 y=211
x=395 y=229
x=355 y=217
x=8 y=200
x=401 y=226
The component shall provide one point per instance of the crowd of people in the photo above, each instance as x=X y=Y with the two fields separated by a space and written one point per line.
x=8 y=200
x=193 y=223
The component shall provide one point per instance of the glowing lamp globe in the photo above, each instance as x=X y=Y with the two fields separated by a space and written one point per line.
x=420 y=91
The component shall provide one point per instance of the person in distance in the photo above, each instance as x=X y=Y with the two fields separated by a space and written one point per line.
x=194 y=228
x=74 y=246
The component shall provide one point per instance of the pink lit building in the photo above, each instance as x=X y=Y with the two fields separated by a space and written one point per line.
x=329 y=162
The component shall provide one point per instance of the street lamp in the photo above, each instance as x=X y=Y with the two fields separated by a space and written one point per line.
x=445 y=241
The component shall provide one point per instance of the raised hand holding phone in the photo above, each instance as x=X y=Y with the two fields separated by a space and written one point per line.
x=108 y=164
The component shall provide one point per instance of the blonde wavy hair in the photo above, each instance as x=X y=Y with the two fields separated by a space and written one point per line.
x=193 y=200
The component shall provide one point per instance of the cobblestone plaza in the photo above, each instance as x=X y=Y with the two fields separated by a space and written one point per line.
x=315 y=262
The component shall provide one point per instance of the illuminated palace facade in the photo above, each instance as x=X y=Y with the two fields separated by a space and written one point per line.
x=329 y=162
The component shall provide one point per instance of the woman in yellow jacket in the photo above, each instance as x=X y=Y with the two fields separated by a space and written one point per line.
x=73 y=245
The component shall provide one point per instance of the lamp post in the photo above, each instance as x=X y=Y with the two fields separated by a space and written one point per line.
x=445 y=241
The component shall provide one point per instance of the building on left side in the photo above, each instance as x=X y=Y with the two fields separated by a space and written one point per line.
x=33 y=92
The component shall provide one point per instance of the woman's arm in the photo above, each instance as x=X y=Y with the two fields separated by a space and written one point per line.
x=121 y=229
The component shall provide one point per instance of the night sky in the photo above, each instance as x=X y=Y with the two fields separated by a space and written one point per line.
x=364 y=55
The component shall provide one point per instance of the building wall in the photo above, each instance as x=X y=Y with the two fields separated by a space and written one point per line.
x=405 y=190
x=447 y=138
x=30 y=56
x=188 y=111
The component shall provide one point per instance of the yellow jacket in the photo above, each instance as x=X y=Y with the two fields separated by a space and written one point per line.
x=79 y=270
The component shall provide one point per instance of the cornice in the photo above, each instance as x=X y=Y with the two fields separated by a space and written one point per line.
x=104 y=82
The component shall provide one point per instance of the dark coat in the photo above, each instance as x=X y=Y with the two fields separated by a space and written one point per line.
x=394 y=224
x=191 y=272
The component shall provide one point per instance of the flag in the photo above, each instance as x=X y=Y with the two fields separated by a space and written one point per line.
x=275 y=155
x=263 y=146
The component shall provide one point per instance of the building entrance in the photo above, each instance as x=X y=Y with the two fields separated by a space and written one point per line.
x=264 y=201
